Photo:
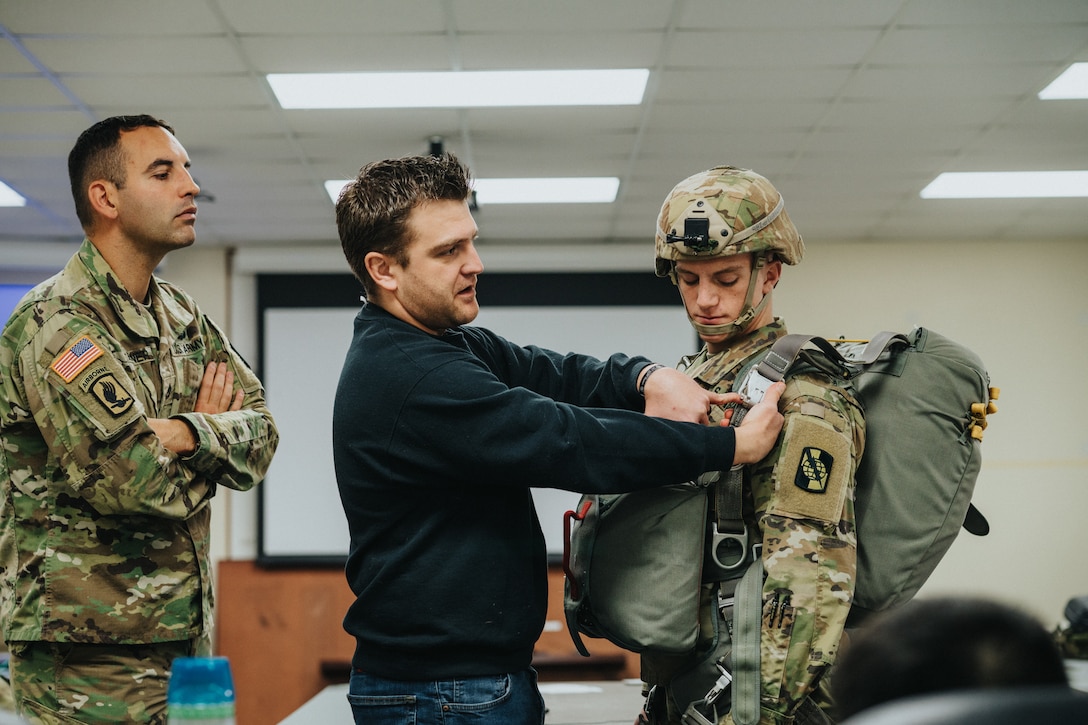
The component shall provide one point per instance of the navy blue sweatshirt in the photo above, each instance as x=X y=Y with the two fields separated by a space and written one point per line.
x=437 y=441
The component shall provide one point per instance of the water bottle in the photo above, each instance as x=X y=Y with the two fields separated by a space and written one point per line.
x=201 y=691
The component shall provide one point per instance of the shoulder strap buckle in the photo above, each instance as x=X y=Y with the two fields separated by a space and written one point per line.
x=754 y=387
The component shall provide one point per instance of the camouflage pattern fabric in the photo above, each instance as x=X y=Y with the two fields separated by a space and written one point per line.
x=805 y=521
x=1072 y=644
x=1072 y=635
x=104 y=533
x=73 y=683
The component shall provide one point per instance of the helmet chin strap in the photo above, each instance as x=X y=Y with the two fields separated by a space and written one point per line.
x=748 y=313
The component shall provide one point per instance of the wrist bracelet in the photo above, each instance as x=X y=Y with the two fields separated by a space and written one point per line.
x=647 y=372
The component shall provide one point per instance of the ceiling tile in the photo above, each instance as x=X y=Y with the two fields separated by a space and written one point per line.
x=146 y=55
x=120 y=18
x=335 y=17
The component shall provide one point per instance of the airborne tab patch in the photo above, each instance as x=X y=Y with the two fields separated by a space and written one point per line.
x=78 y=356
x=815 y=470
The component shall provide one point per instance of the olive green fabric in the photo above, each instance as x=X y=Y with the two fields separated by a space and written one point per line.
x=920 y=466
x=616 y=589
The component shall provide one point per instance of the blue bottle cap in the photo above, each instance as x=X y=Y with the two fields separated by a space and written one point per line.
x=200 y=686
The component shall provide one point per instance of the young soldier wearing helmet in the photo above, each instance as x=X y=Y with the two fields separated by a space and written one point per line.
x=722 y=237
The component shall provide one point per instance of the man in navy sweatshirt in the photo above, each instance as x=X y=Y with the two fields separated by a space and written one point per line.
x=441 y=430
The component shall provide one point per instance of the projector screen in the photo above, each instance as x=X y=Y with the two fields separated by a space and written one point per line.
x=305 y=329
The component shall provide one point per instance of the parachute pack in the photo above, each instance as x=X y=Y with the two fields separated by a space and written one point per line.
x=634 y=562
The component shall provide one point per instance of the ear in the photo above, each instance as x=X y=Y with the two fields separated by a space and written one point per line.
x=103 y=197
x=379 y=267
x=772 y=272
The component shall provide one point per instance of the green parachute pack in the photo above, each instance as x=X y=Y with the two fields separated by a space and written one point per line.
x=635 y=562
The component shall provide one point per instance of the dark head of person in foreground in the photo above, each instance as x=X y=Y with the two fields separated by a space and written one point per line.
x=943 y=644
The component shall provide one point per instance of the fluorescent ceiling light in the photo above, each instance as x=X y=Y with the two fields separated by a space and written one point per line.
x=573 y=190
x=1007 y=185
x=583 y=190
x=463 y=89
x=1073 y=83
x=10 y=197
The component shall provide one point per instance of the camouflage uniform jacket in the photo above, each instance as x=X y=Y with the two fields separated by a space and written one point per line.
x=104 y=532
x=805 y=523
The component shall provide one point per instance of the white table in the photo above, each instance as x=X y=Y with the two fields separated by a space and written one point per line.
x=568 y=703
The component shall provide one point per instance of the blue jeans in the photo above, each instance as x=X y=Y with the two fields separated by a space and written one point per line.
x=511 y=699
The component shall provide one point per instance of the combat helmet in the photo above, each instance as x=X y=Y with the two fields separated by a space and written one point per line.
x=722 y=212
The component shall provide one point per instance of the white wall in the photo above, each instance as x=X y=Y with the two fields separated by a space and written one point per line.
x=1022 y=307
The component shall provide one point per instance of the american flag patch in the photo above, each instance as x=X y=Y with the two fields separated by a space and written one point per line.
x=78 y=356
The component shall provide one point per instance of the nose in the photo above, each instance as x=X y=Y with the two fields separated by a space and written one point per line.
x=473 y=265
x=705 y=295
x=189 y=185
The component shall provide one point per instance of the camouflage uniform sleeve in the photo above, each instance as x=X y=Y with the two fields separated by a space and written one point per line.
x=803 y=494
x=235 y=448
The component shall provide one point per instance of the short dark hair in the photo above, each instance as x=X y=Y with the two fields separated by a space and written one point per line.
x=946 y=643
x=97 y=155
x=372 y=210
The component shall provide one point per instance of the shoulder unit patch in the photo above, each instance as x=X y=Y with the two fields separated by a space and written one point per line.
x=110 y=393
x=815 y=470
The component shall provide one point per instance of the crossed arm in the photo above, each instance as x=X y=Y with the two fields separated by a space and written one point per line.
x=216 y=395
